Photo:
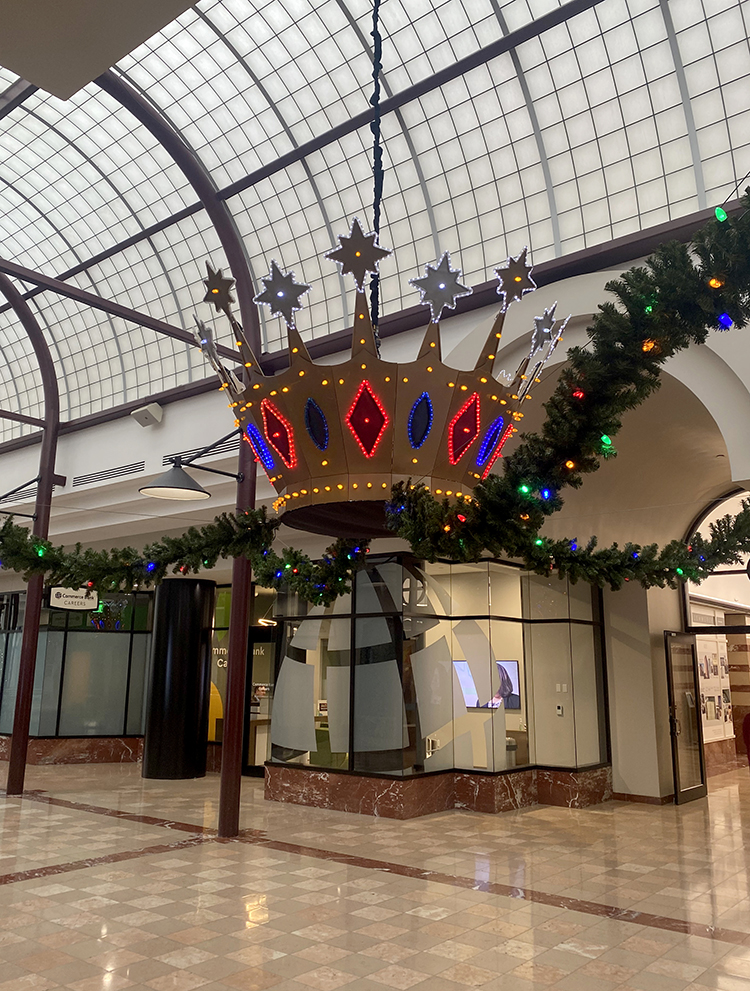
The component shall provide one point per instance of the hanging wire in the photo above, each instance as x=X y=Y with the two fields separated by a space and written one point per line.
x=377 y=156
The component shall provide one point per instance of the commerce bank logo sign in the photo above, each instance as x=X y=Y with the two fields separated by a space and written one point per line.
x=73 y=598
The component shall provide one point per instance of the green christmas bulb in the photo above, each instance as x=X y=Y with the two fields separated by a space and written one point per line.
x=721 y=214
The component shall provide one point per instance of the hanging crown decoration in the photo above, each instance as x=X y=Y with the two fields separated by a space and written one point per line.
x=334 y=439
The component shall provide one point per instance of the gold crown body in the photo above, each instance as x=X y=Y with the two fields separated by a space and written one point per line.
x=335 y=438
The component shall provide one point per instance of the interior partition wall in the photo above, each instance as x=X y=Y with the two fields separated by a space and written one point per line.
x=427 y=667
x=90 y=669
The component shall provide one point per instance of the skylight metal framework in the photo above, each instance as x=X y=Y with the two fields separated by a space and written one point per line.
x=506 y=122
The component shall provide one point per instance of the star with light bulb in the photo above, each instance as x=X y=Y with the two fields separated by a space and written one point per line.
x=514 y=278
x=440 y=287
x=358 y=254
x=218 y=291
x=282 y=293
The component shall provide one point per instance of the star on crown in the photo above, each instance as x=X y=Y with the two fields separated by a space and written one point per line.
x=282 y=293
x=218 y=290
x=358 y=254
x=440 y=287
x=514 y=278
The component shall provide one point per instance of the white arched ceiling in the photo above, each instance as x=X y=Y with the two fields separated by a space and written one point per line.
x=625 y=114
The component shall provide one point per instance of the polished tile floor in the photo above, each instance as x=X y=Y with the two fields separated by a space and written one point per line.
x=108 y=881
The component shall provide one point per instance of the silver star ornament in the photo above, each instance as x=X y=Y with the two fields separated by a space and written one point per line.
x=440 y=287
x=281 y=293
x=358 y=254
x=514 y=278
x=545 y=332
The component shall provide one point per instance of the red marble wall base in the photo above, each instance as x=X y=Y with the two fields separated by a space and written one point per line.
x=574 y=789
x=407 y=798
x=721 y=756
x=79 y=750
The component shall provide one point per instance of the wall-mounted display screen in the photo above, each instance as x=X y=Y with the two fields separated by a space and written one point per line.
x=508 y=692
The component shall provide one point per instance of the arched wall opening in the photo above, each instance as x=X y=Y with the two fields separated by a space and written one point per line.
x=717 y=612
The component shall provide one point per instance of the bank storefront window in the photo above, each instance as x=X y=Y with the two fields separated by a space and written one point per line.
x=427 y=667
x=91 y=666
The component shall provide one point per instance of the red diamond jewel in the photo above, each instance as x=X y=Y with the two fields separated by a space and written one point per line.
x=367 y=419
x=463 y=429
x=279 y=433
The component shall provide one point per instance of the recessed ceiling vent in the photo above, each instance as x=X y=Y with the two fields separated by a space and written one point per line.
x=108 y=473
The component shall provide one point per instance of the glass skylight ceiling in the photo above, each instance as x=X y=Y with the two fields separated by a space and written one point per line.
x=628 y=114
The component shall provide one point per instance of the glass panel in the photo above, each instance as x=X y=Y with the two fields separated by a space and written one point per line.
x=469 y=590
x=219 y=659
x=685 y=727
x=94 y=684
x=587 y=697
x=143 y=611
x=579 y=599
x=549 y=680
x=138 y=681
x=505 y=590
x=427 y=661
x=310 y=713
x=545 y=597
x=114 y=614
x=10 y=681
x=47 y=683
x=383 y=738
x=261 y=704
x=509 y=680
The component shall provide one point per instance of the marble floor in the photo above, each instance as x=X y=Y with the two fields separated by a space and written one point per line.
x=108 y=881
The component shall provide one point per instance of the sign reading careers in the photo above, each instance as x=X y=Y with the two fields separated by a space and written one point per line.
x=73 y=598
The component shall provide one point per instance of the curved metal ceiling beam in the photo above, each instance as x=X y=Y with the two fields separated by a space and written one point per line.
x=205 y=190
x=687 y=107
x=483 y=55
x=35 y=588
x=39 y=310
x=292 y=140
x=534 y=121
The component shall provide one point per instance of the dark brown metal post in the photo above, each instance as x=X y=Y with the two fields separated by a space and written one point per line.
x=234 y=712
x=20 y=739
x=224 y=224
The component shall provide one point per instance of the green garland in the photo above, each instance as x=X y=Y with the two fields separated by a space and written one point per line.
x=249 y=534
x=660 y=309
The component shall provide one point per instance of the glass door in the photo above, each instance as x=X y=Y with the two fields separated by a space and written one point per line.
x=685 y=718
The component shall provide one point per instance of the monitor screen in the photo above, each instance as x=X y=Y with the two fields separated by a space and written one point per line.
x=511 y=698
x=466 y=681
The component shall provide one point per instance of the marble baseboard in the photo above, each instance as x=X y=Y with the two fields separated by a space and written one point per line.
x=79 y=750
x=574 y=789
x=722 y=756
x=407 y=798
x=619 y=796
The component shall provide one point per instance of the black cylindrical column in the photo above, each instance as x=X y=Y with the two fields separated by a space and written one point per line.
x=176 y=736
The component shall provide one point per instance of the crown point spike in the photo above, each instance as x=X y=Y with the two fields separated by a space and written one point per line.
x=297 y=347
x=489 y=350
x=431 y=347
x=363 y=335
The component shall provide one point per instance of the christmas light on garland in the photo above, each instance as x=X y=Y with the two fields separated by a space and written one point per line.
x=662 y=308
x=248 y=534
x=673 y=301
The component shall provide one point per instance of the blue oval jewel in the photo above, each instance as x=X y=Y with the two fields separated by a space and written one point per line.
x=316 y=424
x=420 y=421
x=489 y=441
x=260 y=447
